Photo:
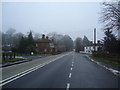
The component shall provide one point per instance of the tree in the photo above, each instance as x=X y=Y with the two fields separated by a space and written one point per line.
x=16 y=38
x=30 y=40
x=30 y=49
x=78 y=44
x=9 y=36
x=111 y=15
x=22 y=45
x=8 y=39
x=110 y=42
x=86 y=41
x=64 y=42
x=27 y=44
x=68 y=42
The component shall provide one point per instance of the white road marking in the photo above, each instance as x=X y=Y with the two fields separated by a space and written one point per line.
x=70 y=75
x=72 y=65
x=12 y=78
x=20 y=76
x=72 y=62
x=115 y=72
x=71 y=68
x=68 y=86
x=20 y=73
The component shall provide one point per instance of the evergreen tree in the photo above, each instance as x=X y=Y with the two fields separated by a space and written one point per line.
x=22 y=45
x=30 y=44
x=110 y=42
x=30 y=40
x=86 y=42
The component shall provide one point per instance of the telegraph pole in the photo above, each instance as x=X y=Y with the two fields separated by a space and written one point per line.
x=94 y=38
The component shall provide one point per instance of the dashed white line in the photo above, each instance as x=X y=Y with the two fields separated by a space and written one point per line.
x=71 y=69
x=72 y=62
x=68 y=86
x=72 y=65
x=70 y=75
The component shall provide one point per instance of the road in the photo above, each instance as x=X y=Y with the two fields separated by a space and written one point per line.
x=71 y=70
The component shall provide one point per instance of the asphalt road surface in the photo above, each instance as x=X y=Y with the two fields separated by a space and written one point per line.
x=71 y=70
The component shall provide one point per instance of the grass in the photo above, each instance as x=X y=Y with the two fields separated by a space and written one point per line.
x=107 y=61
x=10 y=60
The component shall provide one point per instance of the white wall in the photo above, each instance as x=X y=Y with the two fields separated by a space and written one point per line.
x=89 y=49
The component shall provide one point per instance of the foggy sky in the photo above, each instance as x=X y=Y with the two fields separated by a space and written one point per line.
x=74 y=19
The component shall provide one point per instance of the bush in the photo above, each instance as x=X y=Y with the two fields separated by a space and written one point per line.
x=8 y=55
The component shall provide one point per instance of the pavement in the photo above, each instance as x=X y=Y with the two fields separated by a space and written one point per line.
x=68 y=70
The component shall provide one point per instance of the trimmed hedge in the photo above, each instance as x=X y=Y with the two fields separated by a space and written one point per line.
x=110 y=56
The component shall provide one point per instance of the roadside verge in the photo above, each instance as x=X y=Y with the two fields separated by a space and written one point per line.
x=114 y=71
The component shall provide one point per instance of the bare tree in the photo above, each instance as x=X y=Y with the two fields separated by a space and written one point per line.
x=111 y=15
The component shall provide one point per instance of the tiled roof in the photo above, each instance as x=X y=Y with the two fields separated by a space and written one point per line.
x=43 y=40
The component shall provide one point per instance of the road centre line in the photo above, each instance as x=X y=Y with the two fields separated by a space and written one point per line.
x=72 y=62
x=70 y=75
x=68 y=86
x=5 y=81
x=71 y=68
x=72 y=65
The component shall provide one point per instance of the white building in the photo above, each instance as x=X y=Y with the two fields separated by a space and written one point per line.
x=90 y=48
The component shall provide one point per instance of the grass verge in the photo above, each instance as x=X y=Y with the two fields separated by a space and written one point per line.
x=107 y=61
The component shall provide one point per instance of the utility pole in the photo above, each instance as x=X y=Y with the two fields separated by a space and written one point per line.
x=94 y=38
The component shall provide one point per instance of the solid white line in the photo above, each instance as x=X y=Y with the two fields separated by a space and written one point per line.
x=71 y=68
x=70 y=75
x=20 y=73
x=19 y=76
x=26 y=72
x=68 y=86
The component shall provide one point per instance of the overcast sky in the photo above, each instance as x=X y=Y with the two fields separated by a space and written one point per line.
x=74 y=19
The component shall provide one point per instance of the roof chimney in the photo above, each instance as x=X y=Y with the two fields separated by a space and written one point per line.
x=43 y=36
x=46 y=37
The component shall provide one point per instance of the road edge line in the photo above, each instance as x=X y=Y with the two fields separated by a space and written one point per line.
x=115 y=72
